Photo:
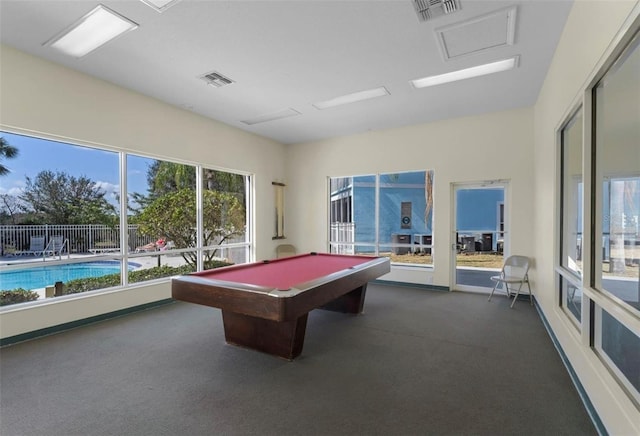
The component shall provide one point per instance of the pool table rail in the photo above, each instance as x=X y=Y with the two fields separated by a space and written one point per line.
x=247 y=299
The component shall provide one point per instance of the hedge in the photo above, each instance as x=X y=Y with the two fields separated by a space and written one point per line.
x=92 y=283
x=17 y=296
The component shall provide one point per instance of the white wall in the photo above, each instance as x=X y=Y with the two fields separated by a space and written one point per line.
x=42 y=98
x=517 y=145
x=471 y=149
x=590 y=30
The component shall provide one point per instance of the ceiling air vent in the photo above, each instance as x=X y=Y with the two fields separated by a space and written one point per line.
x=216 y=79
x=430 y=9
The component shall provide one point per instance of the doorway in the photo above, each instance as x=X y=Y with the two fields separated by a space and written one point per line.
x=480 y=234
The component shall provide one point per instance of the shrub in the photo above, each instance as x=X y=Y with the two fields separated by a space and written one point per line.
x=17 y=296
x=111 y=280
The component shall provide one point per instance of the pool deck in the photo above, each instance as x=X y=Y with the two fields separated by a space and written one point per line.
x=145 y=261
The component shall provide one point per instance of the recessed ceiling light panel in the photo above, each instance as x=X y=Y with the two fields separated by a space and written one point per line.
x=285 y=113
x=467 y=73
x=160 y=5
x=93 y=30
x=352 y=98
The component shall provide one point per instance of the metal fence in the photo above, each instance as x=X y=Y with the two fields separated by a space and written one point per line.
x=345 y=233
x=82 y=238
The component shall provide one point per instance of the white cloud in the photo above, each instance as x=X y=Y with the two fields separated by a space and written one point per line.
x=109 y=188
x=16 y=189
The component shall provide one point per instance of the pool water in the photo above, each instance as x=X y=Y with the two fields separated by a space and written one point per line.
x=36 y=278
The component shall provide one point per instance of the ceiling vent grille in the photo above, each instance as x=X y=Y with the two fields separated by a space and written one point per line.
x=216 y=79
x=430 y=9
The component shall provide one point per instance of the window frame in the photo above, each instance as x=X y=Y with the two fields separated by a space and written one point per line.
x=123 y=256
x=589 y=328
x=339 y=246
x=564 y=274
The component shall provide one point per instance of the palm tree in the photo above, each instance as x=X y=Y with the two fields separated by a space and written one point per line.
x=6 y=152
x=428 y=192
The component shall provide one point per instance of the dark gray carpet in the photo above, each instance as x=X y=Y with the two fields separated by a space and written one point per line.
x=416 y=363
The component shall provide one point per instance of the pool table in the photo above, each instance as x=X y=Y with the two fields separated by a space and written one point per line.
x=265 y=304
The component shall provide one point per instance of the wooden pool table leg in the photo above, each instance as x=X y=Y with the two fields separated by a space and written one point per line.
x=284 y=339
x=351 y=302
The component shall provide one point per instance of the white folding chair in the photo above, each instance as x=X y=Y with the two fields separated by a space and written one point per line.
x=514 y=271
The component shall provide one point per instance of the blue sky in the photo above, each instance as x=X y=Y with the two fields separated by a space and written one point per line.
x=101 y=166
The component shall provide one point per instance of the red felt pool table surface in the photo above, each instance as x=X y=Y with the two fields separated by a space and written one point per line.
x=288 y=272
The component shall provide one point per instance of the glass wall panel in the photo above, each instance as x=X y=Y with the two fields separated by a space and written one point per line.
x=399 y=256
x=48 y=187
x=59 y=203
x=352 y=203
x=617 y=134
x=365 y=250
x=225 y=220
x=571 y=299
x=481 y=233
x=571 y=195
x=395 y=210
x=38 y=281
x=60 y=213
x=162 y=214
x=226 y=256
x=405 y=215
x=621 y=349
x=340 y=248
x=364 y=211
x=224 y=207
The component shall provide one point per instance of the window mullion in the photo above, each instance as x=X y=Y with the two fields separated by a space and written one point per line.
x=589 y=200
x=377 y=214
x=124 y=226
x=199 y=219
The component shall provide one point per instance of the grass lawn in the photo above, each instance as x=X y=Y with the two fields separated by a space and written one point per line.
x=474 y=260
x=492 y=260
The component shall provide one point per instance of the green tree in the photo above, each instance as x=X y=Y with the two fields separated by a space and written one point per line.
x=166 y=177
x=225 y=182
x=162 y=178
x=59 y=198
x=428 y=193
x=173 y=216
x=9 y=209
x=6 y=152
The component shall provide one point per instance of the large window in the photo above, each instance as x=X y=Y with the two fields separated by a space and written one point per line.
x=599 y=186
x=571 y=217
x=616 y=181
x=162 y=212
x=615 y=204
x=224 y=216
x=69 y=225
x=620 y=349
x=387 y=214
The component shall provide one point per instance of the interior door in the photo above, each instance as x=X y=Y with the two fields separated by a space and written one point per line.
x=480 y=234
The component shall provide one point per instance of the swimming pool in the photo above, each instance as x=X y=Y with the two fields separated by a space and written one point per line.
x=35 y=278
